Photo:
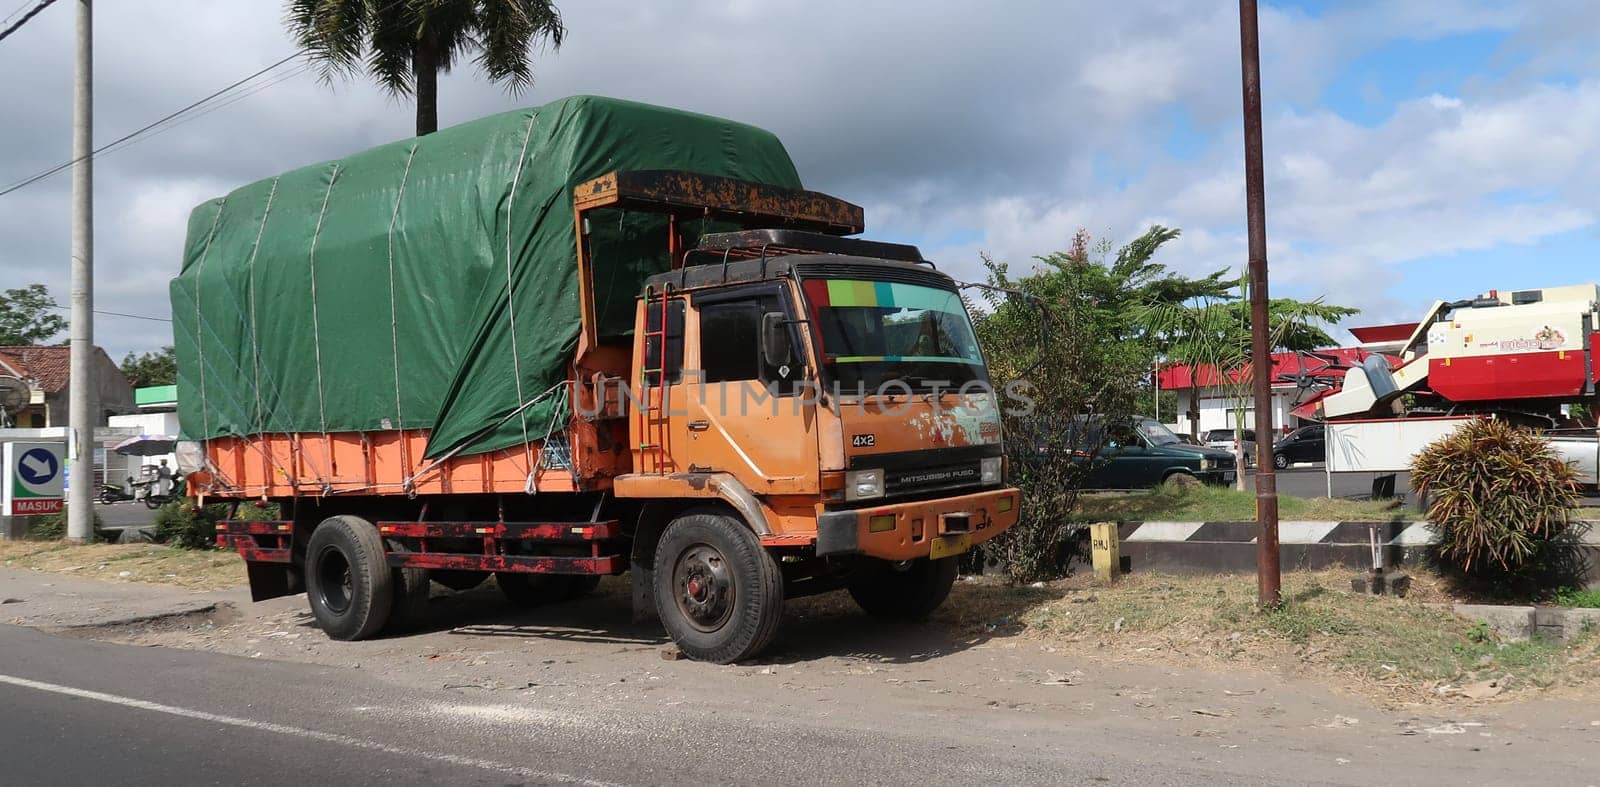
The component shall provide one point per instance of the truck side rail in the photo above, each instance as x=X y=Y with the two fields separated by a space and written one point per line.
x=690 y=193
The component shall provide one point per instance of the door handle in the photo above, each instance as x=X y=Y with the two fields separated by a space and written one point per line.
x=699 y=426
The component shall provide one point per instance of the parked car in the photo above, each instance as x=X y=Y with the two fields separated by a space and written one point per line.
x=1187 y=439
x=1306 y=444
x=1141 y=452
x=1225 y=439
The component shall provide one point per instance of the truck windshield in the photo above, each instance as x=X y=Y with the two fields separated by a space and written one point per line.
x=874 y=333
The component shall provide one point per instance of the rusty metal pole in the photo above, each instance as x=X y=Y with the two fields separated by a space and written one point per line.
x=1268 y=573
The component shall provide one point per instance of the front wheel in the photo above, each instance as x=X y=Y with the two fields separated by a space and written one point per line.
x=903 y=591
x=718 y=592
x=152 y=502
x=1280 y=461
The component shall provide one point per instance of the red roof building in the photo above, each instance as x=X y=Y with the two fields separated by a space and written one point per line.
x=46 y=370
x=1219 y=397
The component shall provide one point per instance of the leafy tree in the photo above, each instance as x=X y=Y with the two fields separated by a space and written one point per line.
x=404 y=44
x=27 y=316
x=157 y=368
x=1214 y=332
x=1087 y=351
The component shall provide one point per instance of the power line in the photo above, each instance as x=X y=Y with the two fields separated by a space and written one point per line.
x=133 y=316
x=14 y=12
x=120 y=314
x=132 y=136
x=32 y=12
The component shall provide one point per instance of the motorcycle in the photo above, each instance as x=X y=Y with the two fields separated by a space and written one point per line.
x=146 y=491
x=116 y=493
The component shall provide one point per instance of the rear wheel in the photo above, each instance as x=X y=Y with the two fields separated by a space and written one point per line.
x=903 y=591
x=532 y=590
x=458 y=580
x=718 y=592
x=411 y=592
x=582 y=585
x=350 y=588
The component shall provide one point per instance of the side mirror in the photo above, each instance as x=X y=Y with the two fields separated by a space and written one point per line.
x=775 y=349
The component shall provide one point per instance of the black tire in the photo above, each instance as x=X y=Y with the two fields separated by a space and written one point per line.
x=582 y=585
x=1280 y=461
x=350 y=587
x=459 y=580
x=532 y=590
x=903 y=591
x=718 y=592
x=152 y=503
x=107 y=498
x=411 y=592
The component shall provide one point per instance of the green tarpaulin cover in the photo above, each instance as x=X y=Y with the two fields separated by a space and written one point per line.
x=431 y=282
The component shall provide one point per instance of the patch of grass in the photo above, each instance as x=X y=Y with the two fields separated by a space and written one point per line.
x=154 y=563
x=1403 y=649
x=1218 y=504
x=1575 y=597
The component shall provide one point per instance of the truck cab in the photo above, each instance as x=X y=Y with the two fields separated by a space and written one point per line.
x=834 y=392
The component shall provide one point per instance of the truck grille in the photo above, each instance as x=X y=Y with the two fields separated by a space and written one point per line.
x=916 y=472
x=926 y=478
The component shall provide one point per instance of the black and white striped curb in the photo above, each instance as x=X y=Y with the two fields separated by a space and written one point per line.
x=1291 y=532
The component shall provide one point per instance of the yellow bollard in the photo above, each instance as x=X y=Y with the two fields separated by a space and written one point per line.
x=1107 y=555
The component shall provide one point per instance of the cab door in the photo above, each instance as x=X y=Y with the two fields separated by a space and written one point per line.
x=1122 y=461
x=737 y=411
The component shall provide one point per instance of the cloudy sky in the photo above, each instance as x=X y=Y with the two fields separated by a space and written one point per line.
x=1415 y=150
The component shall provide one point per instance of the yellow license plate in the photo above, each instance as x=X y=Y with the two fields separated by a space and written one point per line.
x=945 y=546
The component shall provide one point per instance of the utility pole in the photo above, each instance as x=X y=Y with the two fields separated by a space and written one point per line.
x=82 y=389
x=1268 y=575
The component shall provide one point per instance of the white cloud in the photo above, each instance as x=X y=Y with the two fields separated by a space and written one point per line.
x=1013 y=123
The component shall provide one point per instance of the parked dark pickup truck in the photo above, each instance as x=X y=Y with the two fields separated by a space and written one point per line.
x=1137 y=452
x=1142 y=452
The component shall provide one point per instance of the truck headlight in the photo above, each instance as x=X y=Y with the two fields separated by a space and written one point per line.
x=863 y=484
x=1208 y=464
x=989 y=470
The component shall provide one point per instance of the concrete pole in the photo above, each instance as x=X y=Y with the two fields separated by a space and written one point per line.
x=81 y=409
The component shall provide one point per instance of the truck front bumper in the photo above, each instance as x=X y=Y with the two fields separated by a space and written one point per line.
x=909 y=530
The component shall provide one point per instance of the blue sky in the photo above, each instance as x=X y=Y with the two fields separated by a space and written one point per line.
x=1415 y=149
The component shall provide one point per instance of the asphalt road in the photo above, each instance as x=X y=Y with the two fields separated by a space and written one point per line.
x=117 y=516
x=93 y=712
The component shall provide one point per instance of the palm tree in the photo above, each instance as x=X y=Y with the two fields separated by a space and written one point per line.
x=404 y=44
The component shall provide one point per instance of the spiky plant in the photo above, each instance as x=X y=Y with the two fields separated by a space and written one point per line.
x=1498 y=495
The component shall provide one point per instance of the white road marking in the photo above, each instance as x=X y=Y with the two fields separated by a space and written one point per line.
x=300 y=732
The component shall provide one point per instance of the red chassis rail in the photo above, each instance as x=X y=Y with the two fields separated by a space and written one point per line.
x=273 y=542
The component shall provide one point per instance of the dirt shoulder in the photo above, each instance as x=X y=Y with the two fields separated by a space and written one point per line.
x=993 y=658
x=1393 y=652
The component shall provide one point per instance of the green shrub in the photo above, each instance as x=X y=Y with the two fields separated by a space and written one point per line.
x=1575 y=597
x=181 y=523
x=51 y=527
x=1499 y=498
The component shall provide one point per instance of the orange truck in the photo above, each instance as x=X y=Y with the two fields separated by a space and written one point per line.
x=788 y=411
